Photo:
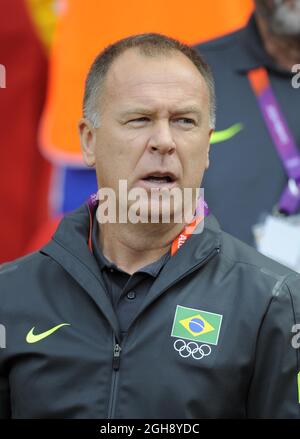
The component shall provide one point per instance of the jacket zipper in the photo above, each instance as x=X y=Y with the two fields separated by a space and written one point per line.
x=115 y=378
x=117 y=348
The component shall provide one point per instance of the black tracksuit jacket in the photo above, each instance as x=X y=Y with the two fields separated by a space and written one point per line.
x=85 y=370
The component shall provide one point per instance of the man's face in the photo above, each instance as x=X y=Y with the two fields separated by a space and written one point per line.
x=282 y=16
x=154 y=123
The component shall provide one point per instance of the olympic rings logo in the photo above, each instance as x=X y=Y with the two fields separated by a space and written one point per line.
x=192 y=348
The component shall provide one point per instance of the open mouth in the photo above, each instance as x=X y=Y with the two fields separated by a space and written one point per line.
x=159 y=179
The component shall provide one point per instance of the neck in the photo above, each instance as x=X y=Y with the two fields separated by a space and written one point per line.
x=285 y=51
x=132 y=246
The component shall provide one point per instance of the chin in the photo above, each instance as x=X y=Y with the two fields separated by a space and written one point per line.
x=166 y=213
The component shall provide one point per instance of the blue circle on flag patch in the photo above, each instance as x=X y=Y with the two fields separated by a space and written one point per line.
x=196 y=325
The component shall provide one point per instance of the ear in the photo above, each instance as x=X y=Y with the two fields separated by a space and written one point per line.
x=87 y=135
x=208 y=148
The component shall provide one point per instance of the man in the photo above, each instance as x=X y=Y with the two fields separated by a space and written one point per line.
x=148 y=319
x=248 y=174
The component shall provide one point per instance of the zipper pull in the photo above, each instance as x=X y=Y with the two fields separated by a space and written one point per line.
x=116 y=358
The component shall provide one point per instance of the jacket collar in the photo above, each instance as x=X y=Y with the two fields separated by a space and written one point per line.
x=69 y=248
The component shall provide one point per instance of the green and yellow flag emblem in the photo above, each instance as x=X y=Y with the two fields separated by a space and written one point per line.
x=197 y=325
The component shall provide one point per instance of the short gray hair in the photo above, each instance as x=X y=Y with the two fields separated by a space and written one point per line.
x=149 y=44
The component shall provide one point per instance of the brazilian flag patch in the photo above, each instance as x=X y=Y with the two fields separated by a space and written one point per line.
x=197 y=325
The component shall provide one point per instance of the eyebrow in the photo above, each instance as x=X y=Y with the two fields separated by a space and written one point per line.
x=188 y=109
x=147 y=111
x=136 y=110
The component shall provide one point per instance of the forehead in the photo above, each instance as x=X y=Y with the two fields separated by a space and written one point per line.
x=135 y=76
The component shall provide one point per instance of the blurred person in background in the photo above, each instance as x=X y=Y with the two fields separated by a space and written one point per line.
x=255 y=170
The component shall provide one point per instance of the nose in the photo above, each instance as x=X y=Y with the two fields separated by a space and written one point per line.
x=161 y=139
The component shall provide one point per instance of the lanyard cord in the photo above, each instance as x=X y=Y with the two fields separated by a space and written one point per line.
x=281 y=136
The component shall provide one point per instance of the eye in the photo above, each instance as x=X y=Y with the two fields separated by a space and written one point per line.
x=186 y=121
x=138 y=121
